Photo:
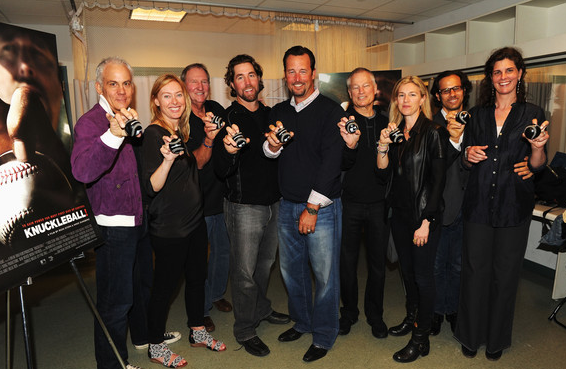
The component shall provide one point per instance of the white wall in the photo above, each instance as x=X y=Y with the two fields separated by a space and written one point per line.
x=154 y=48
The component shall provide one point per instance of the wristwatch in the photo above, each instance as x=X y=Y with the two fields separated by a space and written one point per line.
x=312 y=211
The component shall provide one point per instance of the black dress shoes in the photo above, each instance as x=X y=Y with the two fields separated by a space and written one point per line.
x=345 y=325
x=452 y=319
x=255 y=346
x=437 y=320
x=470 y=353
x=277 y=318
x=379 y=330
x=314 y=353
x=289 y=335
x=493 y=356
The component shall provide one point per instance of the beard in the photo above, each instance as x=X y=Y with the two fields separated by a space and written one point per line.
x=249 y=97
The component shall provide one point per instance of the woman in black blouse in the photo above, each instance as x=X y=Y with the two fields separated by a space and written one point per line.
x=416 y=169
x=497 y=205
x=176 y=222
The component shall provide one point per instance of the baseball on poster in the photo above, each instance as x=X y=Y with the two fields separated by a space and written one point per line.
x=45 y=217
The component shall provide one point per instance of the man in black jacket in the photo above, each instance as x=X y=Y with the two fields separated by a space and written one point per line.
x=251 y=204
x=363 y=206
x=452 y=90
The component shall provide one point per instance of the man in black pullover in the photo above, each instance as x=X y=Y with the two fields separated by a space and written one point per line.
x=251 y=203
x=363 y=201
x=310 y=212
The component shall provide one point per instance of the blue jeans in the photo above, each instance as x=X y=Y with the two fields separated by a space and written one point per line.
x=218 y=260
x=253 y=240
x=114 y=291
x=322 y=250
x=447 y=267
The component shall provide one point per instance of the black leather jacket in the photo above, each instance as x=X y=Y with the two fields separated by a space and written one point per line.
x=419 y=164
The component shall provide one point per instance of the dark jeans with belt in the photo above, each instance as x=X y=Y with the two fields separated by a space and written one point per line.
x=174 y=258
x=417 y=266
x=369 y=220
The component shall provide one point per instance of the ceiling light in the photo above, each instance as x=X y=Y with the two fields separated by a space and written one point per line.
x=157 y=15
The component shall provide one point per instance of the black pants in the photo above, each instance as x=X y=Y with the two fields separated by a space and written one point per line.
x=492 y=259
x=372 y=220
x=417 y=266
x=175 y=257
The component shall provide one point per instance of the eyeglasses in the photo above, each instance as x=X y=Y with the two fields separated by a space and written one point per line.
x=454 y=89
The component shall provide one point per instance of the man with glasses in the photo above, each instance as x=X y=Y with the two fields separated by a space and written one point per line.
x=452 y=91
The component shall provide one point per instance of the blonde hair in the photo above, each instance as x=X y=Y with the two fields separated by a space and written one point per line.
x=157 y=115
x=395 y=115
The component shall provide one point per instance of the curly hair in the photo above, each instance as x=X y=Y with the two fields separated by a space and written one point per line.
x=487 y=95
x=241 y=59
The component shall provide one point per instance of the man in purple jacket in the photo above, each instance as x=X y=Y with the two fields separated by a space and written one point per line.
x=103 y=158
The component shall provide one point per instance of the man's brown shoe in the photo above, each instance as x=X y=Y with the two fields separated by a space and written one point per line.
x=223 y=305
x=209 y=324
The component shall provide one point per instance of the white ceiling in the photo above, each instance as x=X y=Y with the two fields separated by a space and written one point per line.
x=55 y=12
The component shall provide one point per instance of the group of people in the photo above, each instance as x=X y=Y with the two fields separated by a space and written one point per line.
x=456 y=196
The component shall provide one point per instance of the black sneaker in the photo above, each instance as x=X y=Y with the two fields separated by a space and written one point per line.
x=255 y=346
x=168 y=338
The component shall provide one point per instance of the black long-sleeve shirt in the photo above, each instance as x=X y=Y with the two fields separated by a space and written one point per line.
x=360 y=183
x=212 y=187
x=496 y=195
x=250 y=177
x=312 y=159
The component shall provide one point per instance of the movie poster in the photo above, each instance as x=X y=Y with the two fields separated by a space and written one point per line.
x=333 y=85
x=45 y=217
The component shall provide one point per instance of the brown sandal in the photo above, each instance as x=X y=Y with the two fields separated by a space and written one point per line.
x=201 y=338
x=161 y=354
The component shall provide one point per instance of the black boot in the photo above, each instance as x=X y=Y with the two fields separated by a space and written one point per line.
x=418 y=345
x=437 y=320
x=406 y=325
